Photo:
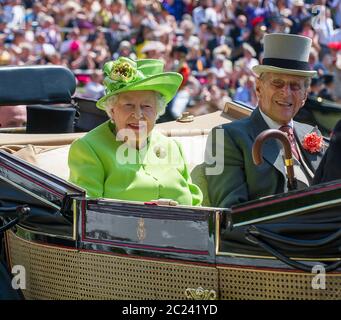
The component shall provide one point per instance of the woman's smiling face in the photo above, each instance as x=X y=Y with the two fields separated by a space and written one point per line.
x=134 y=114
x=281 y=96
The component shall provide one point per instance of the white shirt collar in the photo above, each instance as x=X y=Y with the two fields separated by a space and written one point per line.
x=273 y=124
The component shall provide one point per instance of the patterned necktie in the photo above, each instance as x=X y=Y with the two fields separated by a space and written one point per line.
x=290 y=133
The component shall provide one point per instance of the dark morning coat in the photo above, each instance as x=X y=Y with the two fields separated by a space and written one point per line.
x=240 y=179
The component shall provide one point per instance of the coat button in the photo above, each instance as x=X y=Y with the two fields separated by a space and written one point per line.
x=160 y=152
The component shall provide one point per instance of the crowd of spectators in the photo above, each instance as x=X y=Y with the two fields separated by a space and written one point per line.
x=213 y=43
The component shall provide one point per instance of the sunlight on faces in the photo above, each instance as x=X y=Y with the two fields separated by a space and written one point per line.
x=134 y=114
x=281 y=96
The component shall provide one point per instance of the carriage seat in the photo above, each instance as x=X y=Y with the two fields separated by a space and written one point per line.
x=53 y=158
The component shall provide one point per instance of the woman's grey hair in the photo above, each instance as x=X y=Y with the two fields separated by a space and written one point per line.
x=160 y=104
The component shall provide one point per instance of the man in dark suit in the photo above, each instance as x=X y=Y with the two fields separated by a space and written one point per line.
x=281 y=88
x=330 y=168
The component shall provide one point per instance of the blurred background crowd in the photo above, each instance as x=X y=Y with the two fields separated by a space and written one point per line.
x=213 y=43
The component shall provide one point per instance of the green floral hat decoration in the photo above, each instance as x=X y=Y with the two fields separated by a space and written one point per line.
x=125 y=75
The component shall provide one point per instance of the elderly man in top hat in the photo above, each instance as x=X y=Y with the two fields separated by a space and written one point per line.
x=281 y=88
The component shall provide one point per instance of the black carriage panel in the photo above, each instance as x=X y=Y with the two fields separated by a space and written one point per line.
x=304 y=224
x=186 y=233
x=49 y=198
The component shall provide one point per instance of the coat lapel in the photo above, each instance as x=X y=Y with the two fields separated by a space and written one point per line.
x=271 y=149
x=312 y=160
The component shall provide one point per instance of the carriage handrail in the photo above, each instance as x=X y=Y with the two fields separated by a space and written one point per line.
x=290 y=262
x=257 y=231
x=16 y=214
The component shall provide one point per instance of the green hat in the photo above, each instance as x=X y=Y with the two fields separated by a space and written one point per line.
x=125 y=75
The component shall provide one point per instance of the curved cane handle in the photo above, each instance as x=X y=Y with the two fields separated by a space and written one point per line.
x=289 y=161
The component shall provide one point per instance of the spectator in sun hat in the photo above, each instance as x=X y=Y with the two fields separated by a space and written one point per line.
x=188 y=38
x=5 y=55
x=220 y=70
x=298 y=14
x=26 y=56
x=124 y=158
x=119 y=10
x=219 y=38
x=164 y=33
x=49 y=27
x=125 y=49
x=245 y=64
x=154 y=50
x=18 y=39
x=41 y=47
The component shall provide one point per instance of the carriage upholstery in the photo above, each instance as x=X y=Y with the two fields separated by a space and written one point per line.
x=53 y=159
x=50 y=151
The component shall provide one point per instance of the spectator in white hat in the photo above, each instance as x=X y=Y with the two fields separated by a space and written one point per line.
x=154 y=50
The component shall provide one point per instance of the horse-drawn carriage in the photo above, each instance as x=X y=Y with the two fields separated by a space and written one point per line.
x=74 y=247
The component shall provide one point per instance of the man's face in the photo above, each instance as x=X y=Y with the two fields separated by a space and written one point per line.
x=241 y=21
x=281 y=96
x=12 y=116
x=135 y=113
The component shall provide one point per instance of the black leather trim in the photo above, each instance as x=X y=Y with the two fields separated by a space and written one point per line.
x=36 y=84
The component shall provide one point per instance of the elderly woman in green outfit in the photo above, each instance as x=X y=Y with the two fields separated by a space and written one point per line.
x=124 y=158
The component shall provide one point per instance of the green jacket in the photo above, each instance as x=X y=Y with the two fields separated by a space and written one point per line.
x=107 y=168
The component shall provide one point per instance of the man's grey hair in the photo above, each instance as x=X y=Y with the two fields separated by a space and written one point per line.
x=160 y=104
x=307 y=80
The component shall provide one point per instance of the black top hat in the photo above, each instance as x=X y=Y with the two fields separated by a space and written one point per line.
x=315 y=81
x=181 y=49
x=50 y=119
x=328 y=78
